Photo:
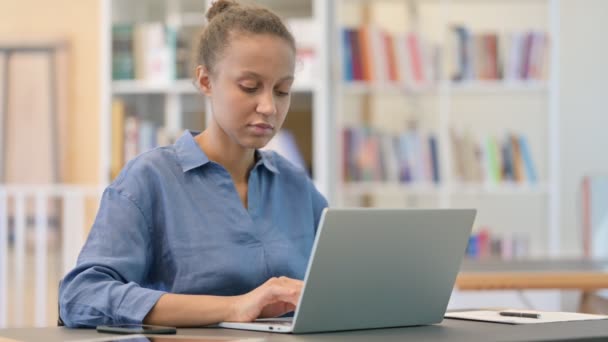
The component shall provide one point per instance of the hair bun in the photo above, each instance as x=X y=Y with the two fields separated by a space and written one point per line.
x=218 y=7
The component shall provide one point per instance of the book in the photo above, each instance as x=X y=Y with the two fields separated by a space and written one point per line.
x=512 y=56
x=365 y=53
x=492 y=154
x=371 y=54
x=347 y=53
x=370 y=154
x=416 y=58
x=131 y=138
x=594 y=216
x=434 y=151
x=528 y=162
x=154 y=52
x=122 y=52
x=518 y=164
x=356 y=46
x=492 y=160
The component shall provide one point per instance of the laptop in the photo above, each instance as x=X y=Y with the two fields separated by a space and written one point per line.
x=377 y=268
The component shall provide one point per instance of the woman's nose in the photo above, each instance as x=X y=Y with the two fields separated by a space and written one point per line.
x=266 y=104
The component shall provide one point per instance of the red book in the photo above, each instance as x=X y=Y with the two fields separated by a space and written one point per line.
x=483 y=242
x=491 y=45
x=586 y=213
x=415 y=57
x=356 y=55
x=391 y=59
x=365 y=53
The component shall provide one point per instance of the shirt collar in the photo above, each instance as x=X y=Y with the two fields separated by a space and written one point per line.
x=191 y=156
x=267 y=159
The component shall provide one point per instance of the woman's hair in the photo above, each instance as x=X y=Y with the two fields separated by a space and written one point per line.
x=226 y=17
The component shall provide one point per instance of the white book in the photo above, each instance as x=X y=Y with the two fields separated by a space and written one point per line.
x=378 y=55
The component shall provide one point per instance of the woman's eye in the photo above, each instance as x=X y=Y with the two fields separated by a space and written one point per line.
x=281 y=93
x=248 y=89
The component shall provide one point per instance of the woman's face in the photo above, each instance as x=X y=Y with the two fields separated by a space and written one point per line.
x=249 y=87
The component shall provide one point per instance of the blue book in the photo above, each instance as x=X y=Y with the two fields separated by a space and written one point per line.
x=434 y=158
x=527 y=158
x=472 y=247
x=507 y=158
x=405 y=174
x=347 y=54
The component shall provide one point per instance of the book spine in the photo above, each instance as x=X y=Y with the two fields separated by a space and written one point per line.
x=347 y=55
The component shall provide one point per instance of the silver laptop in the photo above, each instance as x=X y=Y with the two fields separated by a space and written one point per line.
x=377 y=268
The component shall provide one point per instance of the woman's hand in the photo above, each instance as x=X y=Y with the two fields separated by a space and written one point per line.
x=275 y=297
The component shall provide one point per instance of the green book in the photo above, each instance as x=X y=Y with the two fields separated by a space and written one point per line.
x=122 y=52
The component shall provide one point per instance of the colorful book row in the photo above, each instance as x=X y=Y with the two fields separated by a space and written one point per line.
x=132 y=135
x=515 y=56
x=485 y=245
x=371 y=155
x=374 y=55
x=493 y=160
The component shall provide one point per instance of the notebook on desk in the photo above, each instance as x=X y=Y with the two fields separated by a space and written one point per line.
x=537 y=317
x=377 y=268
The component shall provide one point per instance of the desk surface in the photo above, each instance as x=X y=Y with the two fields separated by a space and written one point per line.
x=450 y=330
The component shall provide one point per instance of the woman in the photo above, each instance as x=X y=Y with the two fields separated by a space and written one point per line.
x=211 y=228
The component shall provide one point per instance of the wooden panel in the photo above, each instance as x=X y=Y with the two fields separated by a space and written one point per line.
x=61 y=63
x=531 y=280
x=2 y=114
x=29 y=154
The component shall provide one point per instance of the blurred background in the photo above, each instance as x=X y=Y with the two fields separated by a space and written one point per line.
x=493 y=104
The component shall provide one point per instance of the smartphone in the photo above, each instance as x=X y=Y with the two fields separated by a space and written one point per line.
x=135 y=329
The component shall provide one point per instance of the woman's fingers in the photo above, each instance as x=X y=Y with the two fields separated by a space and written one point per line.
x=275 y=297
x=284 y=289
x=277 y=309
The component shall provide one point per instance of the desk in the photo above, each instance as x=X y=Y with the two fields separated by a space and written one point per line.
x=449 y=330
x=584 y=275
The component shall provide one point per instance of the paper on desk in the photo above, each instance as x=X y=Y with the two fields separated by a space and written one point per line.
x=545 y=317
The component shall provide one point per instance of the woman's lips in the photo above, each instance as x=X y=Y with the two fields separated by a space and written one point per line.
x=262 y=128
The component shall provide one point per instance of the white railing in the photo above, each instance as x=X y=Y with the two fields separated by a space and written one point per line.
x=25 y=234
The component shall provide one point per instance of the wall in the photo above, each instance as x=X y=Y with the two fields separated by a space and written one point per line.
x=584 y=76
x=79 y=23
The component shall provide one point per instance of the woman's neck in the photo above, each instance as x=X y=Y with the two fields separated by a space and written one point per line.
x=219 y=148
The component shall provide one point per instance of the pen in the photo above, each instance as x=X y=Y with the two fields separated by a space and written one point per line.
x=519 y=314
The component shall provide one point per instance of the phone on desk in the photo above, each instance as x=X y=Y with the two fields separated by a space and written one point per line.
x=135 y=329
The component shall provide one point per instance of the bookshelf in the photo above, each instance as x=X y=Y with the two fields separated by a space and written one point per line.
x=505 y=91
x=325 y=102
x=163 y=103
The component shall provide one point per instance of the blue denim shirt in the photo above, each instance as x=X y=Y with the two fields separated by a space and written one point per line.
x=173 y=221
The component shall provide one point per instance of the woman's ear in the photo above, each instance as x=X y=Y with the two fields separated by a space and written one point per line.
x=203 y=80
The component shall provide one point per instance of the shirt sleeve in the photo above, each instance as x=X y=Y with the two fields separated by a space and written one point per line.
x=104 y=287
